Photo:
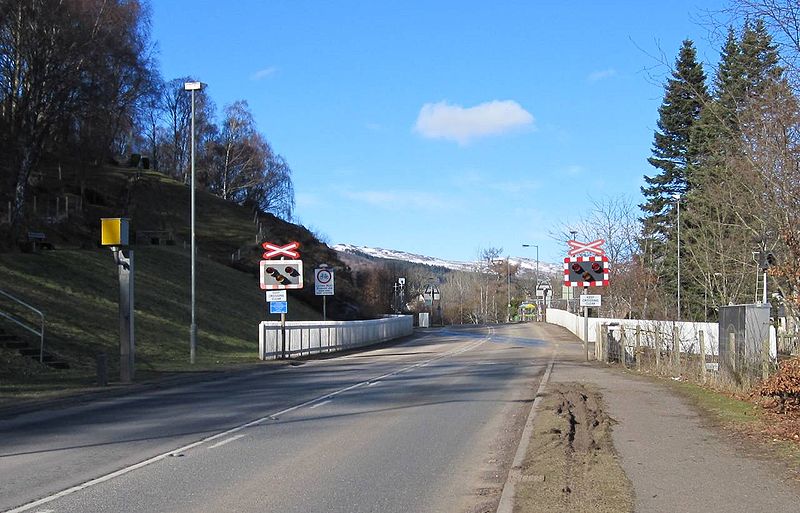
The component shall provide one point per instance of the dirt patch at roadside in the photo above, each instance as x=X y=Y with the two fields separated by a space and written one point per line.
x=571 y=464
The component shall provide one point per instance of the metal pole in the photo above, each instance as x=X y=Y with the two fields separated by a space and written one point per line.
x=586 y=326
x=283 y=335
x=536 y=278
x=324 y=308
x=193 y=327
x=678 y=203
x=126 y=341
x=508 y=288
x=764 y=294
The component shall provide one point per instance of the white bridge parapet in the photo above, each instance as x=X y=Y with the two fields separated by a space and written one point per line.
x=651 y=331
x=313 y=337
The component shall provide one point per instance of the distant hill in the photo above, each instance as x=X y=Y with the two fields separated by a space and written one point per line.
x=526 y=264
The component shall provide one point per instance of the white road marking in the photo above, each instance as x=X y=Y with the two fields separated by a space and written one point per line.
x=223 y=434
x=372 y=384
x=227 y=440
x=319 y=404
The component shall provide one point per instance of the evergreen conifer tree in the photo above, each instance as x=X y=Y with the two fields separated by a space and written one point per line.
x=684 y=98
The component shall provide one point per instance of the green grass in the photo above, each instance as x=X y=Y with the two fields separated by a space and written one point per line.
x=78 y=291
x=724 y=408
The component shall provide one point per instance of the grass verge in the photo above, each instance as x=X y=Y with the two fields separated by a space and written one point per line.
x=78 y=292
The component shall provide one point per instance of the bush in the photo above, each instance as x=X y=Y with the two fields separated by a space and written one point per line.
x=784 y=386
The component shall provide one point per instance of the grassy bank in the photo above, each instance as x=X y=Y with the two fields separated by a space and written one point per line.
x=78 y=291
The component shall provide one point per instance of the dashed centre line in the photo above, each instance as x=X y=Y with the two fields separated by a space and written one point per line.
x=227 y=440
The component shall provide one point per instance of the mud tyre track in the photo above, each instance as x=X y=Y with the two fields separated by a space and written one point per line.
x=571 y=464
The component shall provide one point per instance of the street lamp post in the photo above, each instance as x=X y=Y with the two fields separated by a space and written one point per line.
x=193 y=86
x=677 y=198
x=536 y=281
x=536 y=276
x=508 y=288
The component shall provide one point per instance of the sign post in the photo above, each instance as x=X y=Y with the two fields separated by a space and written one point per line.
x=278 y=276
x=323 y=286
x=586 y=271
x=114 y=234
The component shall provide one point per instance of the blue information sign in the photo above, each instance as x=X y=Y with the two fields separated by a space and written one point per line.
x=278 y=307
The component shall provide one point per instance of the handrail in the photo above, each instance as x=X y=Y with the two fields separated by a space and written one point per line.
x=41 y=315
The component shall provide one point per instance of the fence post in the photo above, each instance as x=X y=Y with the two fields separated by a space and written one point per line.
x=676 y=349
x=658 y=348
x=638 y=351
x=622 y=344
x=765 y=358
x=732 y=349
x=702 y=338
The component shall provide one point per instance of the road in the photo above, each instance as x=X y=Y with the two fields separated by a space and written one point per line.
x=426 y=425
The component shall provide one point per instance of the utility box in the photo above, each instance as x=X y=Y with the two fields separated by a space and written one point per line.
x=114 y=231
x=743 y=331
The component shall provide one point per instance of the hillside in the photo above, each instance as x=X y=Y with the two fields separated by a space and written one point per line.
x=75 y=284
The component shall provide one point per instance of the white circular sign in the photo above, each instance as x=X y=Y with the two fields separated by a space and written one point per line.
x=324 y=276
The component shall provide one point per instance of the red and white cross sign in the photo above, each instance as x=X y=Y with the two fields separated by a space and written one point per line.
x=274 y=250
x=576 y=248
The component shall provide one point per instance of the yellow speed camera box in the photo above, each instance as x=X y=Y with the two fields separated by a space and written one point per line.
x=114 y=231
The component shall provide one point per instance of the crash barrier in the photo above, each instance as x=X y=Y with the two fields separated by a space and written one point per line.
x=313 y=337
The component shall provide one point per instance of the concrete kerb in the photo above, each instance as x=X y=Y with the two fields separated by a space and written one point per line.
x=506 y=504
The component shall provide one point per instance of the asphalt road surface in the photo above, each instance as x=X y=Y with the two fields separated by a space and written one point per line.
x=425 y=425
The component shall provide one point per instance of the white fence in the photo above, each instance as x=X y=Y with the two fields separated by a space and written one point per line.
x=652 y=332
x=312 y=337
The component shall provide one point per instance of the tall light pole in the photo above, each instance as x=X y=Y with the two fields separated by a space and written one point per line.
x=508 y=288
x=536 y=283
x=677 y=198
x=193 y=86
x=536 y=276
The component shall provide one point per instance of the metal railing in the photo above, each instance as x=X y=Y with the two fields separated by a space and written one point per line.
x=21 y=324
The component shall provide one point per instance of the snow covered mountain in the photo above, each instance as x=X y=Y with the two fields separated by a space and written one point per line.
x=526 y=264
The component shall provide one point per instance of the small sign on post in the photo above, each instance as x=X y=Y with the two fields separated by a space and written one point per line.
x=279 y=307
x=323 y=282
x=590 y=300
x=276 y=295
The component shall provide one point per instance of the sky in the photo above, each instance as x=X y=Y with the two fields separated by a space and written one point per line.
x=443 y=127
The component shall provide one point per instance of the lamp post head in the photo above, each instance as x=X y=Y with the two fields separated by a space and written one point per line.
x=193 y=86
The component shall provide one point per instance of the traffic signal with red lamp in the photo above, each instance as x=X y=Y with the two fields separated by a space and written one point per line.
x=586 y=271
x=281 y=274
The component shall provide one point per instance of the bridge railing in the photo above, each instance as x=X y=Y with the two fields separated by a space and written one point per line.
x=313 y=337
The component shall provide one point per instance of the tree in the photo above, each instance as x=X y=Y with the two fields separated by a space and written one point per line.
x=68 y=72
x=177 y=106
x=724 y=219
x=237 y=154
x=684 y=98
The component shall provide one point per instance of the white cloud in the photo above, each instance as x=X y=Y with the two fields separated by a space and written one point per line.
x=456 y=123
x=399 y=200
x=263 y=73
x=597 y=76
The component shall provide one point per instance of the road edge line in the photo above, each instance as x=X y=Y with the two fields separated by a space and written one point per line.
x=506 y=504
x=222 y=434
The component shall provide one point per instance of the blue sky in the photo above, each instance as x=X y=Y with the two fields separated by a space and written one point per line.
x=442 y=127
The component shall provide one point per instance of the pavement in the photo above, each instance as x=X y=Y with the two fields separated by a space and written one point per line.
x=674 y=462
